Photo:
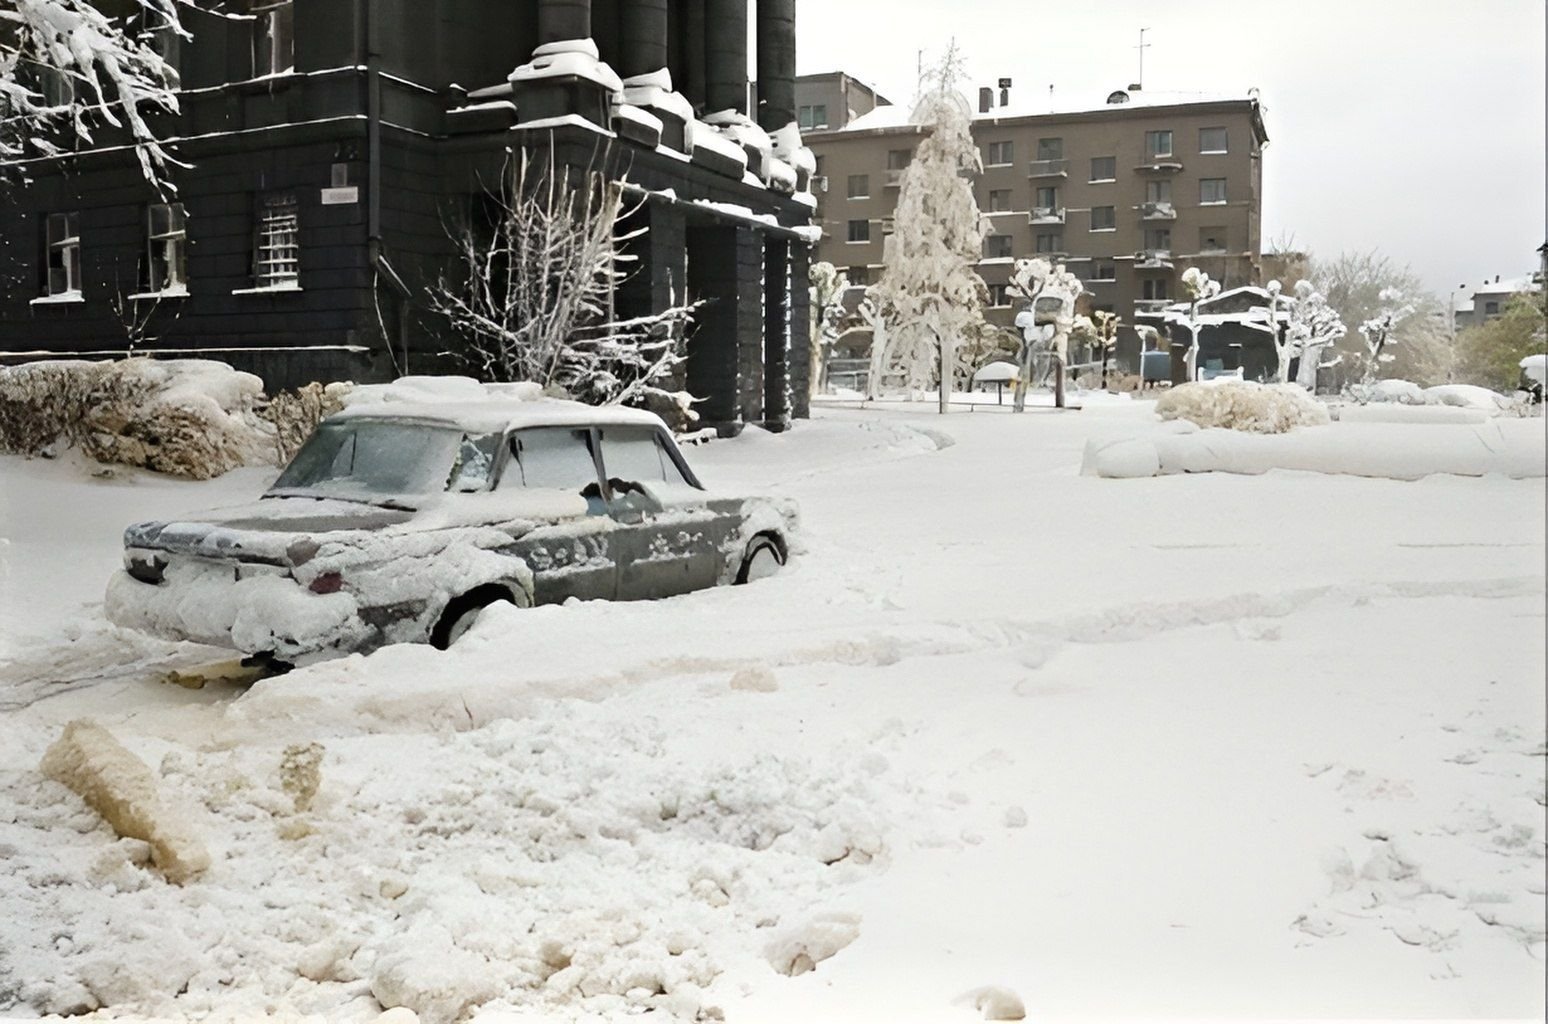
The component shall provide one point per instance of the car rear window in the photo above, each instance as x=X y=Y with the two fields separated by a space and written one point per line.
x=636 y=454
x=552 y=457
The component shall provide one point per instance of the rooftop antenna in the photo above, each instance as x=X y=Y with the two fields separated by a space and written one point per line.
x=1140 y=83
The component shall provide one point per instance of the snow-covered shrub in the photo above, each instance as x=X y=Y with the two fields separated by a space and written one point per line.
x=1242 y=405
x=188 y=417
x=295 y=414
x=1405 y=392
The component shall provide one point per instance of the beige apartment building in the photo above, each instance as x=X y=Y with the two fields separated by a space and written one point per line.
x=1129 y=194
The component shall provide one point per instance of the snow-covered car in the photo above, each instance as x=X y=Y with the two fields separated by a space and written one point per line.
x=401 y=521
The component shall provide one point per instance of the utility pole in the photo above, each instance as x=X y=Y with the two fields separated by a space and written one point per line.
x=1141 y=48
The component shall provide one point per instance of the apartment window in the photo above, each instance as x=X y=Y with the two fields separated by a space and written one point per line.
x=815 y=116
x=1212 y=190
x=898 y=159
x=1104 y=168
x=1103 y=270
x=858 y=276
x=1047 y=197
x=1212 y=140
x=1000 y=153
x=167 y=233
x=1050 y=149
x=1158 y=191
x=57 y=87
x=999 y=295
x=1155 y=288
x=274 y=39
x=1104 y=218
x=1212 y=240
x=1048 y=241
x=1491 y=308
x=997 y=247
x=64 y=254
x=1158 y=238
x=859 y=186
x=277 y=252
x=859 y=231
x=999 y=200
x=1158 y=144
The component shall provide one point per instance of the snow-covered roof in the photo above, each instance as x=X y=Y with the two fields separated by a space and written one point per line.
x=467 y=403
x=1508 y=286
x=1033 y=105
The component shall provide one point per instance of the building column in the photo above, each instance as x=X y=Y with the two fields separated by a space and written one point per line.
x=643 y=43
x=563 y=19
x=725 y=56
x=777 y=340
x=800 y=369
x=776 y=64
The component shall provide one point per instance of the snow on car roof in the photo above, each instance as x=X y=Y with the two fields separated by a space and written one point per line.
x=467 y=403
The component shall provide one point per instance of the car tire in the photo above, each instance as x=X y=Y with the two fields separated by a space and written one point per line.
x=764 y=558
x=461 y=613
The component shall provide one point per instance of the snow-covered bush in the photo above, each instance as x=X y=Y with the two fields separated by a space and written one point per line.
x=1242 y=405
x=295 y=414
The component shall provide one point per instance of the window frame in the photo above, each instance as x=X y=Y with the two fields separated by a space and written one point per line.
x=865 y=185
x=1000 y=153
x=1224 y=195
x=992 y=245
x=1056 y=243
x=276 y=281
x=1155 y=188
x=1152 y=151
x=1111 y=218
x=66 y=241
x=865 y=224
x=1050 y=148
x=1221 y=238
x=1225 y=145
x=1154 y=236
x=161 y=247
x=1111 y=162
x=994 y=206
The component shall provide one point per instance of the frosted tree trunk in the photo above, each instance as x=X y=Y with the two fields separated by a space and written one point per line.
x=1306 y=374
x=879 y=343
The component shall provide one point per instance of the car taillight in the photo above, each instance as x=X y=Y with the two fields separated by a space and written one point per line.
x=327 y=583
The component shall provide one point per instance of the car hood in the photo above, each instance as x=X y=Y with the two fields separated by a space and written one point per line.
x=263 y=529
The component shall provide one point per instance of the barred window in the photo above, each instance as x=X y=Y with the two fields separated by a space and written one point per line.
x=166 y=231
x=277 y=254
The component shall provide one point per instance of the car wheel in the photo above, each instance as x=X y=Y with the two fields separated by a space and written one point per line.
x=461 y=613
x=763 y=559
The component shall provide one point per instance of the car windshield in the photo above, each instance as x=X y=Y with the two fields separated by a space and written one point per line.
x=368 y=460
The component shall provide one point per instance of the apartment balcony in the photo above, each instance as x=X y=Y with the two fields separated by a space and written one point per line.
x=1153 y=259
x=1046 y=215
x=1151 y=307
x=894 y=178
x=1158 y=164
x=1049 y=169
x=1157 y=211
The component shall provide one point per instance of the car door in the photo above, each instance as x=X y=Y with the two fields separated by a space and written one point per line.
x=578 y=557
x=671 y=543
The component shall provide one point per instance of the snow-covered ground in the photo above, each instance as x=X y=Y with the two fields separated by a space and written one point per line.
x=1178 y=746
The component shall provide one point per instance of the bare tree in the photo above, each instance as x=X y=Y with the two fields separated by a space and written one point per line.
x=1378 y=330
x=1106 y=326
x=827 y=285
x=1049 y=291
x=534 y=289
x=1199 y=287
x=135 y=313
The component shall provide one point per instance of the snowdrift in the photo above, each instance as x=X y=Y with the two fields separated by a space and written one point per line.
x=1242 y=405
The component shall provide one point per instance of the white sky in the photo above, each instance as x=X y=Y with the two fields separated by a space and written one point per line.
x=1412 y=126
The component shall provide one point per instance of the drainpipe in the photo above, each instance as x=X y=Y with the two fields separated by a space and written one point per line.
x=371 y=49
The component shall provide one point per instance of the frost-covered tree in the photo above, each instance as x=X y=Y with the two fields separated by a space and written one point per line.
x=827 y=286
x=1105 y=325
x=1490 y=353
x=1314 y=326
x=1378 y=331
x=1050 y=286
x=929 y=295
x=67 y=66
x=1198 y=287
x=532 y=293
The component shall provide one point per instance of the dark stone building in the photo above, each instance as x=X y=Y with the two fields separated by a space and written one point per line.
x=329 y=143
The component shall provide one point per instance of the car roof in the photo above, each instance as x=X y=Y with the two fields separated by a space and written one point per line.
x=493 y=415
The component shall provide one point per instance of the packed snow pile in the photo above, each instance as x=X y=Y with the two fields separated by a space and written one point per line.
x=1242 y=405
x=194 y=418
x=1391 y=450
x=1403 y=392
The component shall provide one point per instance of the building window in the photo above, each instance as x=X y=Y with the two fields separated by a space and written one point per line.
x=997 y=247
x=1491 y=308
x=1212 y=240
x=859 y=186
x=1155 y=288
x=166 y=230
x=859 y=231
x=1103 y=270
x=858 y=276
x=1000 y=154
x=1050 y=149
x=1104 y=168
x=57 y=87
x=813 y=117
x=274 y=38
x=999 y=295
x=999 y=200
x=277 y=254
x=1212 y=190
x=1158 y=191
x=898 y=159
x=1212 y=140
x=1047 y=197
x=1159 y=238
x=64 y=254
x=1158 y=144
x=1048 y=241
x=820 y=163
x=1104 y=218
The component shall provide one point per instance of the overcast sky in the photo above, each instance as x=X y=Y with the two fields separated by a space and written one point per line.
x=1412 y=126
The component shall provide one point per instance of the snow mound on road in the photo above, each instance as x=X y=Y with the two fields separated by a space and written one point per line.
x=1242 y=405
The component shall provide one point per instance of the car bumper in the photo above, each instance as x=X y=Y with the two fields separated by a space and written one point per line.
x=260 y=613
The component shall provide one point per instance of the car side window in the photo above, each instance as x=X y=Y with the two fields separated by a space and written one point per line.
x=475 y=463
x=551 y=457
x=638 y=454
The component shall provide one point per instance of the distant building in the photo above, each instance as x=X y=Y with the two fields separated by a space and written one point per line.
x=330 y=142
x=1129 y=192
x=1489 y=299
x=830 y=101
